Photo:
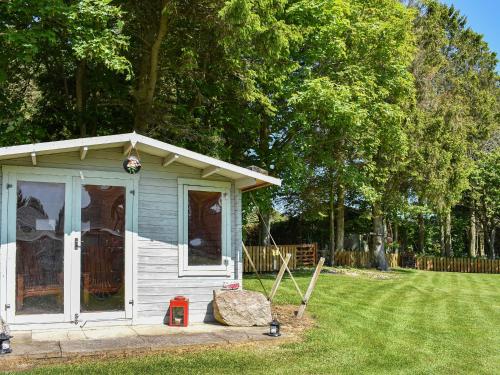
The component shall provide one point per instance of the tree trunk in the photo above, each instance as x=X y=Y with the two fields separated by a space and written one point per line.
x=80 y=97
x=421 y=233
x=492 y=242
x=378 y=239
x=332 y=222
x=148 y=73
x=265 y=228
x=339 y=245
x=404 y=239
x=396 y=237
x=447 y=235
x=442 y=235
x=481 y=243
x=489 y=241
x=472 y=233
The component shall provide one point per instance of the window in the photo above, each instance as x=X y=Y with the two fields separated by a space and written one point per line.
x=102 y=281
x=204 y=228
x=40 y=247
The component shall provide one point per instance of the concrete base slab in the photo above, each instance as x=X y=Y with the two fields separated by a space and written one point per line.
x=21 y=337
x=29 y=347
x=109 y=332
x=57 y=335
x=40 y=350
x=98 y=347
x=155 y=330
x=170 y=341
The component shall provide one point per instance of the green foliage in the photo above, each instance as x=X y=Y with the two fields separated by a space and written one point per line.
x=454 y=72
x=391 y=104
x=485 y=182
x=44 y=42
x=96 y=34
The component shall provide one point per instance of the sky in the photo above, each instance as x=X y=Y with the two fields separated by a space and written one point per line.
x=483 y=17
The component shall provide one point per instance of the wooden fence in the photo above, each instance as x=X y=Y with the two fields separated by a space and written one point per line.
x=305 y=255
x=361 y=259
x=266 y=260
x=427 y=263
x=469 y=265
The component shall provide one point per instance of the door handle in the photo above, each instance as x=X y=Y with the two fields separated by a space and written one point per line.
x=77 y=246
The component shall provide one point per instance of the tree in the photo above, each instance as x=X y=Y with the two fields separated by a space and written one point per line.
x=454 y=71
x=353 y=99
x=390 y=99
x=52 y=47
x=485 y=191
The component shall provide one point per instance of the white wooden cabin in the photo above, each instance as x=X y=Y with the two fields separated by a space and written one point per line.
x=83 y=241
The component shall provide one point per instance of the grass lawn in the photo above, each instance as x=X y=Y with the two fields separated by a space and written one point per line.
x=417 y=323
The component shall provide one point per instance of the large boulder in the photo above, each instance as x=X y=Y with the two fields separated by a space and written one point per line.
x=241 y=308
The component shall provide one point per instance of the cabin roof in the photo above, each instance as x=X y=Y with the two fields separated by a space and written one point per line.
x=245 y=179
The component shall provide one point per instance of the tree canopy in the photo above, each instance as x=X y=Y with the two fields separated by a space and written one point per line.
x=386 y=109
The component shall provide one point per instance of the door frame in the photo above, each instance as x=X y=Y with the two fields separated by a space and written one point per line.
x=76 y=260
x=10 y=291
x=8 y=249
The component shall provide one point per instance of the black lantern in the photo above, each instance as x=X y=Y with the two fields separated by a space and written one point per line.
x=5 y=343
x=274 y=328
x=132 y=165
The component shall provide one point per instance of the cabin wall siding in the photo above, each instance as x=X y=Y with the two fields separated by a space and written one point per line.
x=156 y=244
x=1 y=192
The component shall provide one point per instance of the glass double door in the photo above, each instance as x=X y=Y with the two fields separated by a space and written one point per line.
x=69 y=253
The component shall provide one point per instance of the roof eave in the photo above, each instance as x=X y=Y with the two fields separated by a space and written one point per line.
x=249 y=180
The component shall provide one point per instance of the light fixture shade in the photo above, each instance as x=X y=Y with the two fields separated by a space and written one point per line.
x=274 y=328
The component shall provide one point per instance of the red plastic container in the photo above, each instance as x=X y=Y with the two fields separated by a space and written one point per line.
x=179 y=312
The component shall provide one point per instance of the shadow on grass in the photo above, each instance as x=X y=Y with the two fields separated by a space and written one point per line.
x=272 y=275
x=304 y=272
x=403 y=270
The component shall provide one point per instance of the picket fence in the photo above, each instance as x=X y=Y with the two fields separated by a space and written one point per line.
x=468 y=265
x=426 y=263
x=305 y=255
x=361 y=259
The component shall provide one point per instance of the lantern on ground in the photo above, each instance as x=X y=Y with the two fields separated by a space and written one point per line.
x=274 y=328
x=5 y=343
x=179 y=311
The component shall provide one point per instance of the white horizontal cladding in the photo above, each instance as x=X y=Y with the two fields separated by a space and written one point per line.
x=158 y=278
x=167 y=152
x=161 y=306
x=156 y=256
x=157 y=317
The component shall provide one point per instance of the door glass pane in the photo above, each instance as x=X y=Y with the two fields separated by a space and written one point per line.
x=40 y=248
x=204 y=228
x=102 y=286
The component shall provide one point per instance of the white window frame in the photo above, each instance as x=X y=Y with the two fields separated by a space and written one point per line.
x=224 y=269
